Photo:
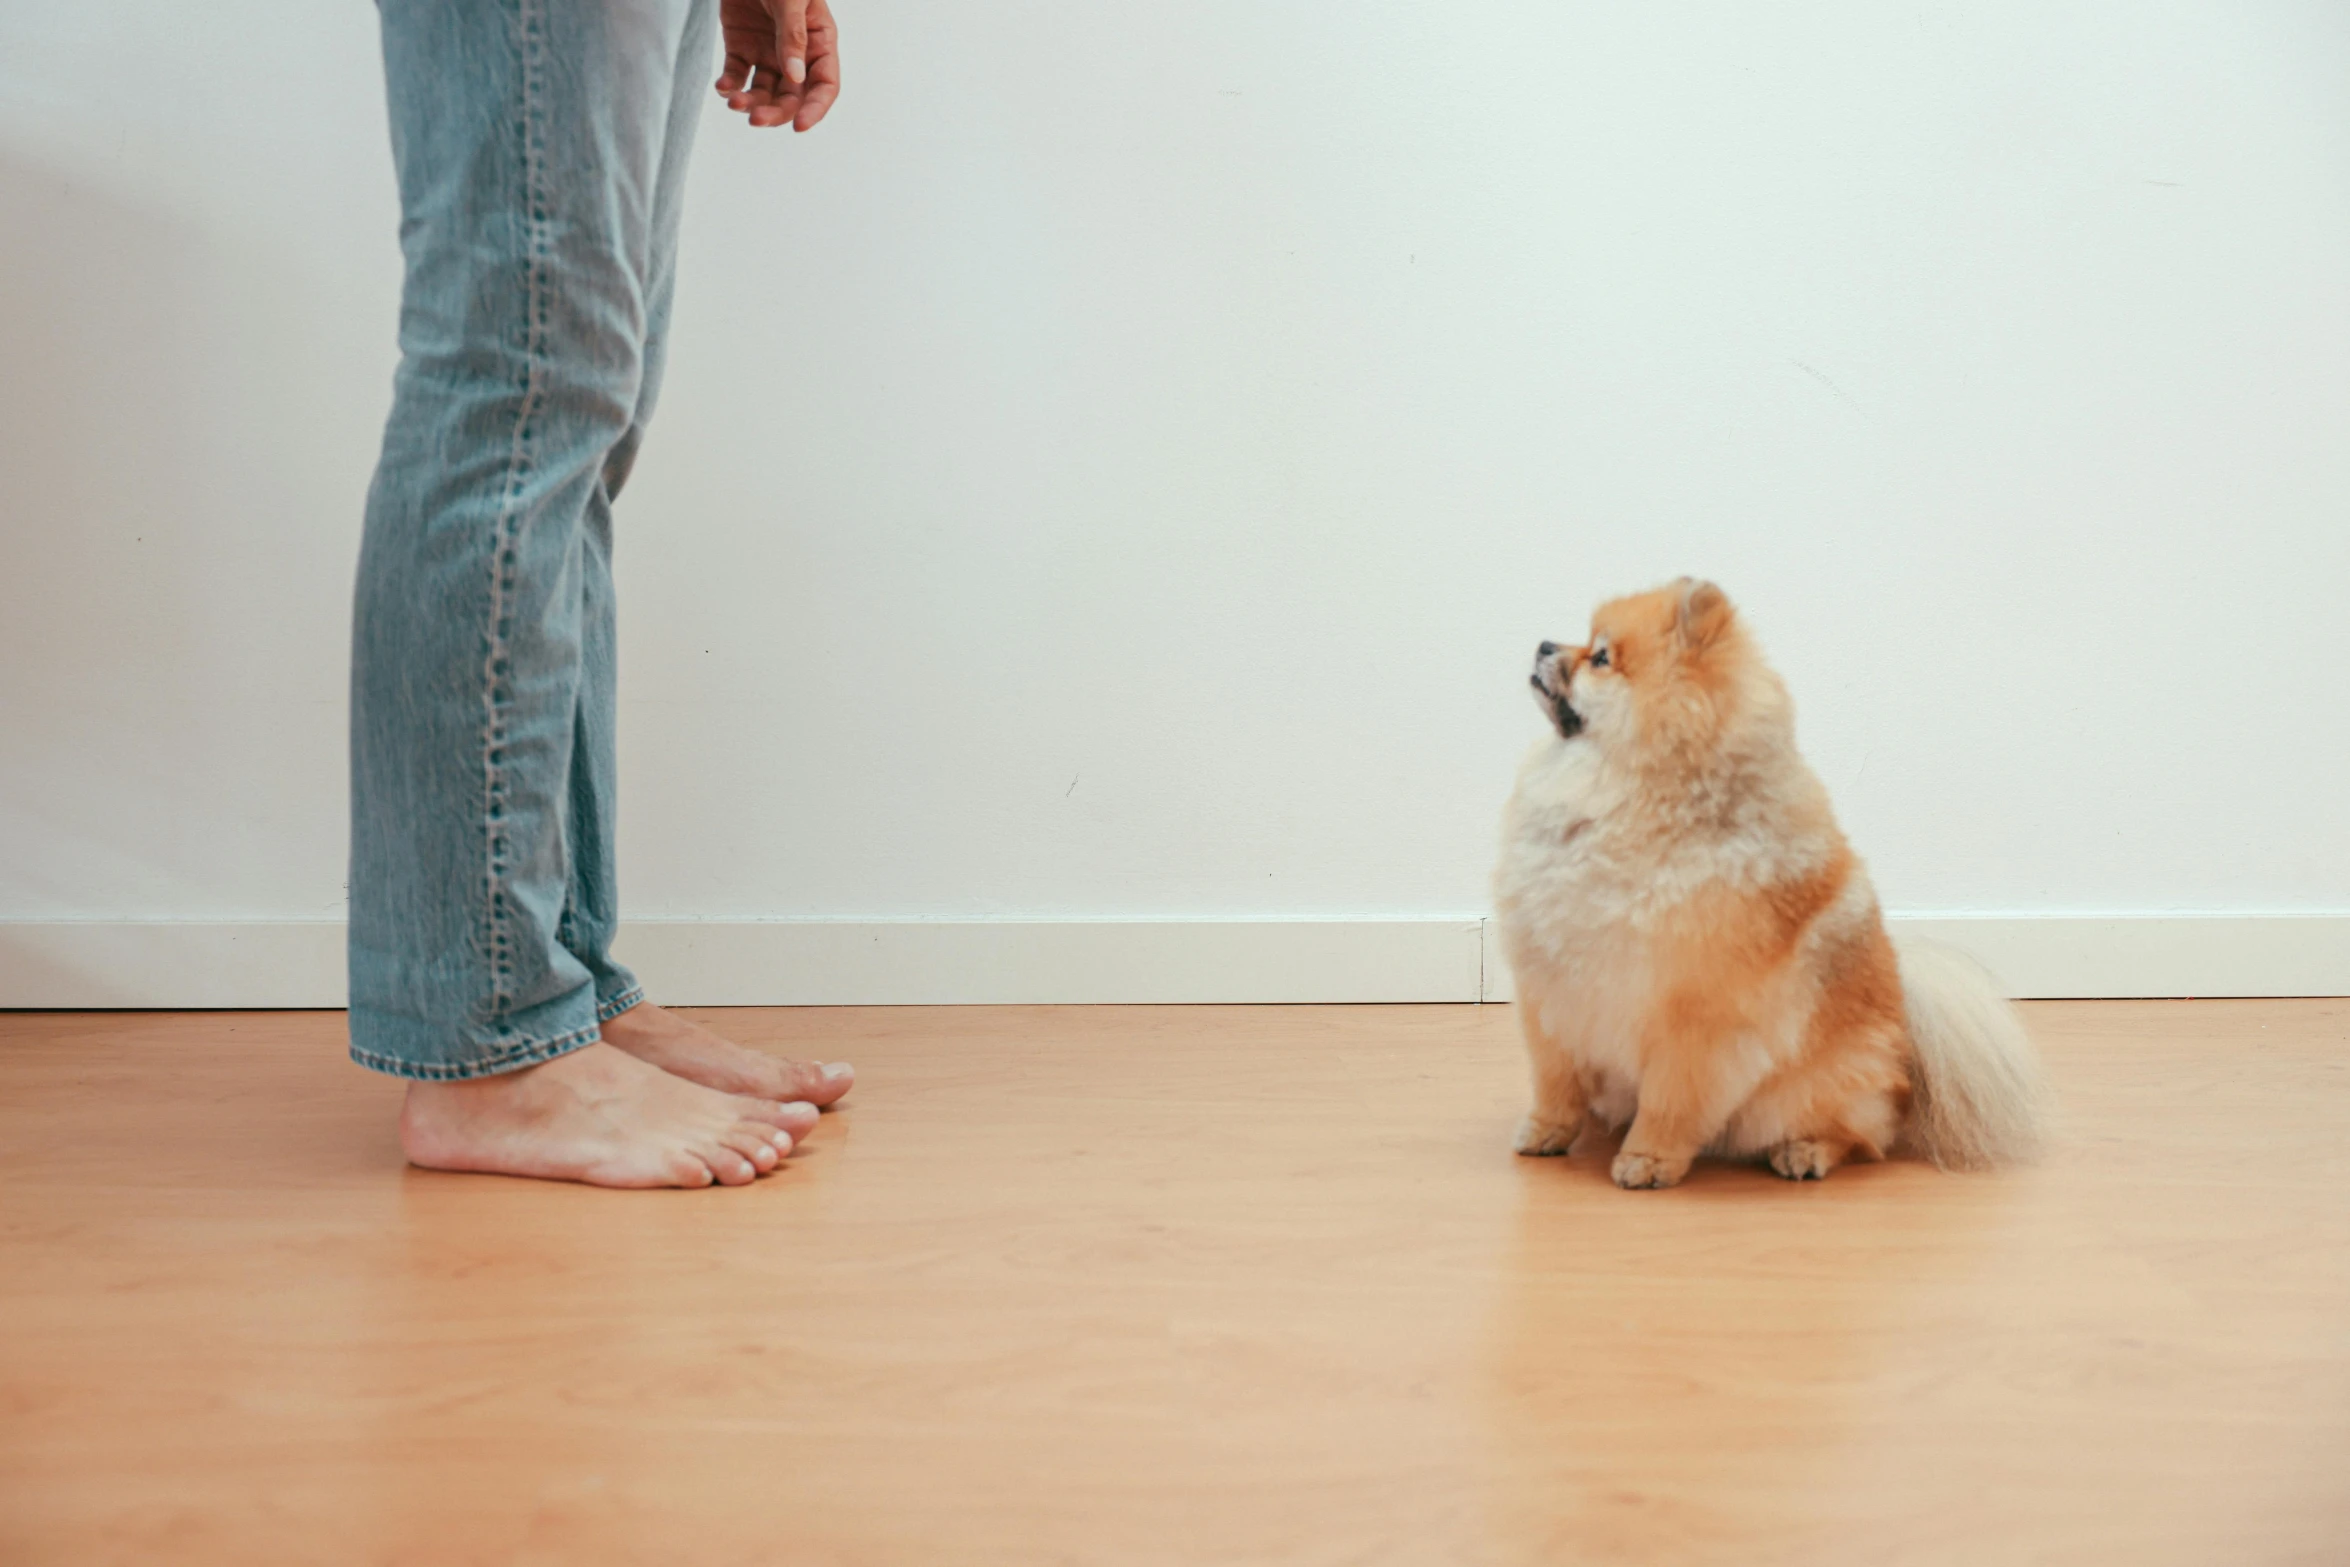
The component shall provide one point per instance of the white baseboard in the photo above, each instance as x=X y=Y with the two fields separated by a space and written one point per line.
x=2051 y=956
x=299 y=963
x=71 y=964
x=2055 y=955
x=895 y=962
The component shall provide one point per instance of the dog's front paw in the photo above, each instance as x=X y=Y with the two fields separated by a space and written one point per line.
x=1540 y=1139
x=1641 y=1172
x=1801 y=1159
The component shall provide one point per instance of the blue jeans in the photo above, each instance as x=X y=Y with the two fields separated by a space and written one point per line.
x=541 y=148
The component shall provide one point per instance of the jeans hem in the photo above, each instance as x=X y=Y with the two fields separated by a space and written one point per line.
x=606 y=1011
x=509 y=1058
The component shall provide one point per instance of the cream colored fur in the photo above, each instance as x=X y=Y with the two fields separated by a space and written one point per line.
x=1699 y=956
x=1979 y=1096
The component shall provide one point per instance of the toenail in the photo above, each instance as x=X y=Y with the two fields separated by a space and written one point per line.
x=834 y=1071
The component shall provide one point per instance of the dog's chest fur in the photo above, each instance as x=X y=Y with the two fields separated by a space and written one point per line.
x=1585 y=883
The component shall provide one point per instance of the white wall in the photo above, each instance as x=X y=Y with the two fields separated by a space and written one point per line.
x=1120 y=464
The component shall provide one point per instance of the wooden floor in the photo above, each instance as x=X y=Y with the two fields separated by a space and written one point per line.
x=1161 y=1285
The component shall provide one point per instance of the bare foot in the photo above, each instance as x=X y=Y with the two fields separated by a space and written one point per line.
x=690 y=1051
x=596 y=1115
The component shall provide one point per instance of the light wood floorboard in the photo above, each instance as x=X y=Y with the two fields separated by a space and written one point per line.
x=1160 y=1285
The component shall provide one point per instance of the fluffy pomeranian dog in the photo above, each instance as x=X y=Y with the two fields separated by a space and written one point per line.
x=1698 y=954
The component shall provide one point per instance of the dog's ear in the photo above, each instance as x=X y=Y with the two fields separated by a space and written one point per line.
x=1704 y=613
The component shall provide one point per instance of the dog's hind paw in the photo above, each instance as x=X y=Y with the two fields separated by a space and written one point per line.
x=1801 y=1159
x=1540 y=1139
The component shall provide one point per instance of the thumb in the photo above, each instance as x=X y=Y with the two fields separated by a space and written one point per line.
x=792 y=40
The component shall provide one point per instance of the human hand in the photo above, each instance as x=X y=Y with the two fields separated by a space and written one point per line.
x=782 y=61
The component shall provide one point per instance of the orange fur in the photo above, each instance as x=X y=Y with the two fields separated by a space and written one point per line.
x=1698 y=952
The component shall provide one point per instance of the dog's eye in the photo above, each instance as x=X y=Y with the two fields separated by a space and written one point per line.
x=1599 y=658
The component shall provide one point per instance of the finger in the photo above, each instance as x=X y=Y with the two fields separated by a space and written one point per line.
x=758 y=86
x=773 y=101
x=734 y=73
x=814 y=105
x=823 y=37
x=823 y=66
x=823 y=87
x=757 y=90
x=791 y=40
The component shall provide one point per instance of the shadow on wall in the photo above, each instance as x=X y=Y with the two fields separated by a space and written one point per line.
x=141 y=681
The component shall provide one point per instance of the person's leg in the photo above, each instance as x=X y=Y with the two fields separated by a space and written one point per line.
x=591 y=910
x=528 y=139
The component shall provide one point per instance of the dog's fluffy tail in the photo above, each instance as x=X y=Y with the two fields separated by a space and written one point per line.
x=1978 y=1099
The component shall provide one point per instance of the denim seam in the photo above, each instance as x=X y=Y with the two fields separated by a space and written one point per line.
x=496 y=665
x=606 y=1011
x=508 y=1058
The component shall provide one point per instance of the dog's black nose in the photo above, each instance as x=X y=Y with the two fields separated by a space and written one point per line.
x=1546 y=650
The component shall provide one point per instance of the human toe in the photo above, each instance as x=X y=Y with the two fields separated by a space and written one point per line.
x=753 y=1142
x=727 y=1167
x=796 y=1117
x=688 y=1169
x=823 y=1083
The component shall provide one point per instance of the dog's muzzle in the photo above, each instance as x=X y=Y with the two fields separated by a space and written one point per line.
x=1554 y=702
